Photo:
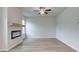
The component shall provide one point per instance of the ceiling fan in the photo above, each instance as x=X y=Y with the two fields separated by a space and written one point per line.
x=43 y=10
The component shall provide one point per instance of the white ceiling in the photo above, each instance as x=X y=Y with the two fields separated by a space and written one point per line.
x=28 y=11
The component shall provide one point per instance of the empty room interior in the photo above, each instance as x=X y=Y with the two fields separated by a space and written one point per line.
x=39 y=29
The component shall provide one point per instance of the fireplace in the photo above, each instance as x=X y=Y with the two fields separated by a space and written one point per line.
x=15 y=34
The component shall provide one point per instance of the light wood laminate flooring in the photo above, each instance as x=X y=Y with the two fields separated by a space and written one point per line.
x=42 y=45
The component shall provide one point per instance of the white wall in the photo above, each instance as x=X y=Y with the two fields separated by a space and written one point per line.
x=3 y=29
x=0 y=28
x=9 y=15
x=14 y=16
x=41 y=27
x=68 y=28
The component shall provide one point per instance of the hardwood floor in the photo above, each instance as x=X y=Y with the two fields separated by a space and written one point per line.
x=42 y=45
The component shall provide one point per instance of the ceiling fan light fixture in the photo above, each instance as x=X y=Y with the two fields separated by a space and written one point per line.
x=41 y=11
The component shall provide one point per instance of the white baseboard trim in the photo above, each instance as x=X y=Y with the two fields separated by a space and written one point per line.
x=69 y=45
x=15 y=44
x=8 y=48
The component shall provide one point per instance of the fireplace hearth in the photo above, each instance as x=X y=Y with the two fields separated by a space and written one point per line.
x=15 y=34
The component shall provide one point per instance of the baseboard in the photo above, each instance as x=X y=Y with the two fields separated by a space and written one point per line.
x=7 y=49
x=69 y=45
x=19 y=42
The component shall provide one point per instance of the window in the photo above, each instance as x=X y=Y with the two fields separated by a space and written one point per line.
x=23 y=28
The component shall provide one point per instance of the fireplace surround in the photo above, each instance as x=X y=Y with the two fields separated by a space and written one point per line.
x=15 y=34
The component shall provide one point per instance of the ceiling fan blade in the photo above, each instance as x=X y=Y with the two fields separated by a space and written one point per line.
x=48 y=10
x=45 y=12
x=41 y=7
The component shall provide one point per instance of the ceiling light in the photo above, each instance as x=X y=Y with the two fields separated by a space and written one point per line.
x=41 y=11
